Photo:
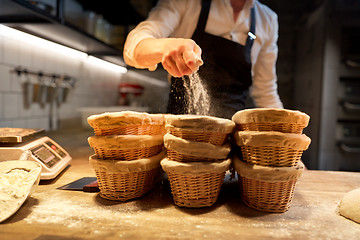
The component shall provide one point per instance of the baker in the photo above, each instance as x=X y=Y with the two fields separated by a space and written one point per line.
x=235 y=40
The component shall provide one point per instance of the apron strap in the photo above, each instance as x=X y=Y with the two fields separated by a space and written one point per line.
x=251 y=36
x=205 y=9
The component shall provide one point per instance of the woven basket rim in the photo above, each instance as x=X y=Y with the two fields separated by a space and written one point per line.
x=272 y=138
x=197 y=149
x=270 y=115
x=125 y=141
x=267 y=173
x=125 y=118
x=123 y=166
x=200 y=123
x=195 y=168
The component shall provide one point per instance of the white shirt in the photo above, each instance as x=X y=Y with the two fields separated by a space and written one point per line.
x=178 y=18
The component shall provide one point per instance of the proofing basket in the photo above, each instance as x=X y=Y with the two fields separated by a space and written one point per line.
x=266 y=126
x=122 y=180
x=179 y=157
x=271 y=148
x=268 y=189
x=126 y=147
x=195 y=185
x=268 y=119
x=127 y=154
x=182 y=150
x=216 y=138
x=127 y=123
x=129 y=130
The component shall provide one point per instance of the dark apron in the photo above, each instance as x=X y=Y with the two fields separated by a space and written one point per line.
x=226 y=73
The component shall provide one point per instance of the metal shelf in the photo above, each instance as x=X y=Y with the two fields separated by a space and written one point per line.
x=28 y=18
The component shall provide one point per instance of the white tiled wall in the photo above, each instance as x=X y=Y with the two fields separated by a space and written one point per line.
x=95 y=85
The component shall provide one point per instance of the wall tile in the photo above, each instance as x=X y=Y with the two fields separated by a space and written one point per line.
x=1 y=106
x=4 y=78
x=10 y=51
x=1 y=49
x=25 y=56
x=11 y=105
x=19 y=123
x=6 y=124
x=15 y=82
x=96 y=86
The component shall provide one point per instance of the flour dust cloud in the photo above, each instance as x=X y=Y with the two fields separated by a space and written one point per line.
x=198 y=100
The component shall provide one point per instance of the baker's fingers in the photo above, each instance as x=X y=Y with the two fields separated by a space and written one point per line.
x=181 y=64
x=193 y=61
x=170 y=66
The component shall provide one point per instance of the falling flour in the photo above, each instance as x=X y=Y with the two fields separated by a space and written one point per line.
x=198 y=100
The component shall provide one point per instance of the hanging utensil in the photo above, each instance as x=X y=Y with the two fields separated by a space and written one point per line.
x=42 y=90
x=59 y=90
x=51 y=89
x=26 y=87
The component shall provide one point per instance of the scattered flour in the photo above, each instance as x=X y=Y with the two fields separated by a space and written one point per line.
x=197 y=96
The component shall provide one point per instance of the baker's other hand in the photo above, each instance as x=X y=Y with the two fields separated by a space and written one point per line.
x=181 y=56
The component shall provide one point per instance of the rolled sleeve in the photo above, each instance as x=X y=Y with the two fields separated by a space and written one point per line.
x=162 y=21
x=264 y=88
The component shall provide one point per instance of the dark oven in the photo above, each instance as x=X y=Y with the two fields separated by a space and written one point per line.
x=348 y=123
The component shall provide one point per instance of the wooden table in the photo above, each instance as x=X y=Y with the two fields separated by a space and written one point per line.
x=51 y=213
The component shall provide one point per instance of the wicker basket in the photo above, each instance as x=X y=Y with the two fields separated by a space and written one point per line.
x=268 y=189
x=270 y=119
x=200 y=128
x=126 y=147
x=127 y=123
x=183 y=150
x=196 y=184
x=274 y=149
x=215 y=138
x=130 y=130
x=176 y=156
x=123 y=180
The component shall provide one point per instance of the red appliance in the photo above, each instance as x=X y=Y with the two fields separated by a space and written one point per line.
x=127 y=91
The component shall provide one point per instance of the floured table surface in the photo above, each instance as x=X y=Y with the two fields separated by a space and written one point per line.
x=51 y=213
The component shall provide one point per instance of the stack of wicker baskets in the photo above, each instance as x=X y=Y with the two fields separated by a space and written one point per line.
x=128 y=149
x=271 y=145
x=197 y=158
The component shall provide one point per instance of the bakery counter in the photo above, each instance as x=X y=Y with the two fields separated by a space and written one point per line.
x=52 y=213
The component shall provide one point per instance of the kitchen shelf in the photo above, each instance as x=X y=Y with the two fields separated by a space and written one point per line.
x=26 y=17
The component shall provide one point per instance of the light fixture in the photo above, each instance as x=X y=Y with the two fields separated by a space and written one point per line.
x=40 y=42
x=106 y=64
x=55 y=47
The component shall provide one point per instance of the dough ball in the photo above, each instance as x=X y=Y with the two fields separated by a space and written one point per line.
x=350 y=205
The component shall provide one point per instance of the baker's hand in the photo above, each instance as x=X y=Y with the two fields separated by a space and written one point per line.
x=181 y=56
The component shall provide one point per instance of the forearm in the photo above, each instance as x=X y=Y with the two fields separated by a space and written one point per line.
x=149 y=52
x=179 y=56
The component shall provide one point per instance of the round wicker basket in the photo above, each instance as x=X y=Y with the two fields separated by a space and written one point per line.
x=127 y=123
x=126 y=147
x=199 y=128
x=268 y=189
x=271 y=119
x=195 y=184
x=125 y=180
x=271 y=148
x=183 y=150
